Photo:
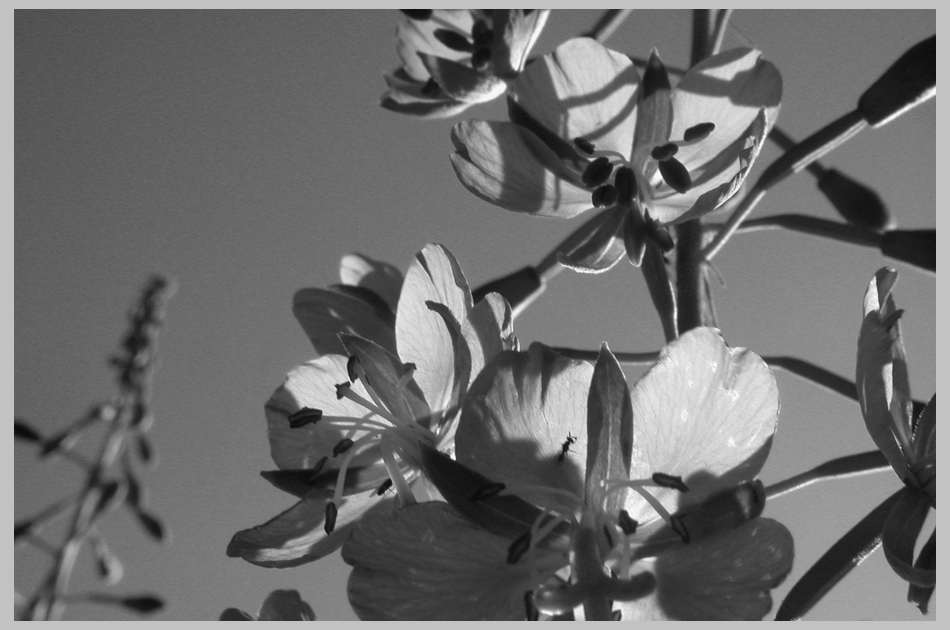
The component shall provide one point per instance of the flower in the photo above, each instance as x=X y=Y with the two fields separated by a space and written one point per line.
x=453 y=59
x=347 y=426
x=569 y=491
x=280 y=605
x=587 y=132
x=905 y=433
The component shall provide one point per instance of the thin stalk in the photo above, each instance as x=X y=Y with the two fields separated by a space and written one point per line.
x=816 y=226
x=608 y=23
x=840 y=468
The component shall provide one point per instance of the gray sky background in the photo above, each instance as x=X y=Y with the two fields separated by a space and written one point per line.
x=244 y=153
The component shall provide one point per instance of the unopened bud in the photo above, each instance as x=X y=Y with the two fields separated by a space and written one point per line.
x=910 y=81
x=854 y=201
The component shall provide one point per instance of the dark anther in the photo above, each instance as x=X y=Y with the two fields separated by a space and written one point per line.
x=383 y=487
x=330 y=518
x=341 y=389
x=607 y=535
x=431 y=88
x=698 y=132
x=669 y=481
x=584 y=145
x=676 y=175
x=317 y=469
x=351 y=364
x=481 y=58
x=487 y=491
x=303 y=417
x=407 y=368
x=531 y=612
x=597 y=172
x=453 y=40
x=664 y=151
x=679 y=527
x=417 y=14
x=481 y=34
x=660 y=235
x=342 y=446
x=604 y=196
x=627 y=524
x=626 y=183
x=516 y=549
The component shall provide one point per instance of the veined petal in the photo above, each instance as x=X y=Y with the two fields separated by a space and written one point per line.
x=725 y=577
x=297 y=536
x=381 y=278
x=597 y=245
x=704 y=412
x=508 y=166
x=423 y=107
x=462 y=82
x=583 y=89
x=326 y=313
x=881 y=374
x=517 y=419
x=425 y=562
x=515 y=33
x=728 y=90
x=417 y=36
x=609 y=433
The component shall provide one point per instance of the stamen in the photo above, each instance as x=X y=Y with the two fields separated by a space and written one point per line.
x=403 y=491
x=487 y=491
x=481 y=34
x=330 y=518
x=584 y=145
x=659 y=234
x=698 y=132
x=654 y=503
x=481 y=58
x=518 y=548
x=317 y=469
x=626 y=184
x=597 y=172
x=664 y=152
x=676 y=175
x=531 y=612
x=351 y=364
x=383 y=487
x=341 y=390
x=669 y=481
x=342 y=446
x=604 y=196
x=453 y=40
x=303 y=417
x=627 y=523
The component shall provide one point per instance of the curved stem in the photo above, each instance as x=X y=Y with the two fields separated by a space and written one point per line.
x=840 y=468
x=816 y=226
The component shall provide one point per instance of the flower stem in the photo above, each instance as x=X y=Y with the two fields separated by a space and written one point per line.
x=816 y=226
x=607 y=24
x=839 y=468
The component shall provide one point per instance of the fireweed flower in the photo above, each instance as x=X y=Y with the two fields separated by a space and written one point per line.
x=345 y=429
x=645 y=504
x=906 y=436
x=453 y=59
x=587 y=132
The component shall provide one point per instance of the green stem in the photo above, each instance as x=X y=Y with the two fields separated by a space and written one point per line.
x=840 y=468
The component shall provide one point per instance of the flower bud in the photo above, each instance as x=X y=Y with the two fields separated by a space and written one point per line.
x=910 y=81
x=854 y=201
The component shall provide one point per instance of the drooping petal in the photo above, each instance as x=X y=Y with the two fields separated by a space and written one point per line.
x=325 y=313
x=704 y=412
x=597 y=245
x=725 y=577
x=507 y=165
x=515 y=32
x=413 y=103
x=381 y=278
x=517 y=419
x=417 y=36
x=425 y=562
x=298 y=536
x=285 y=605
x=461 y=82
x=583 y=89
x=881 y=374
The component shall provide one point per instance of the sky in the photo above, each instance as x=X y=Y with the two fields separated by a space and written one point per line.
x=243 y=153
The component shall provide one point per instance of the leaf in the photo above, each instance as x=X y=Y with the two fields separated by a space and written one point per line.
x=851 y=550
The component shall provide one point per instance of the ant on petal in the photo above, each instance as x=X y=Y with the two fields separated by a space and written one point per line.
x=566 y=446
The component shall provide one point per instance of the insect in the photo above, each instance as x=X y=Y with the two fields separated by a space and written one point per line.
x=566 y=447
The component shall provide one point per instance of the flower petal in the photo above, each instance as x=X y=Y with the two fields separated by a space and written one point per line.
x=507 y=165
x=325 y=313
x=285 y=605
x=597 y=245
x=381 y=278
x=461 y=82
x=899 y=537
x=410 y=104
x=516 y=420
x=725 y=577
x=515 y=32
x=609 y=433
x=415 y=36
x=425 y=562
x=297 y=536
x=704 y=412
x=583 y=89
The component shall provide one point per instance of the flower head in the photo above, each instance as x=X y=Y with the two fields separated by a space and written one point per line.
x=587 y=131
x=346 y=428
x=569 y=491
x=454 y=58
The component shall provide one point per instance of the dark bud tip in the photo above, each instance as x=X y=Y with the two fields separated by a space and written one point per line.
x=453 y=40
x=699 y=132
x=670 y=481
x=481 y=58
x=854 y=201
x=305 y=416
x=664 y=151
x=597 y=172
x=341 y=389
x=351 y=364
x=23 y=431
x=628 y=525
x=676 y=175
x=626 y=184
x=531 y=612
x=518 y=548
x=145 y=605
x=487 y=491
x=417 y=14
x=584 y=145
x=910 y=81
x=676 y=522
x=655 y=77
x=21 y=529
x=604 y=196
x=383 y=487
x=917 y=247
x=342 y=446
x=317 y=469
x=329 y=521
